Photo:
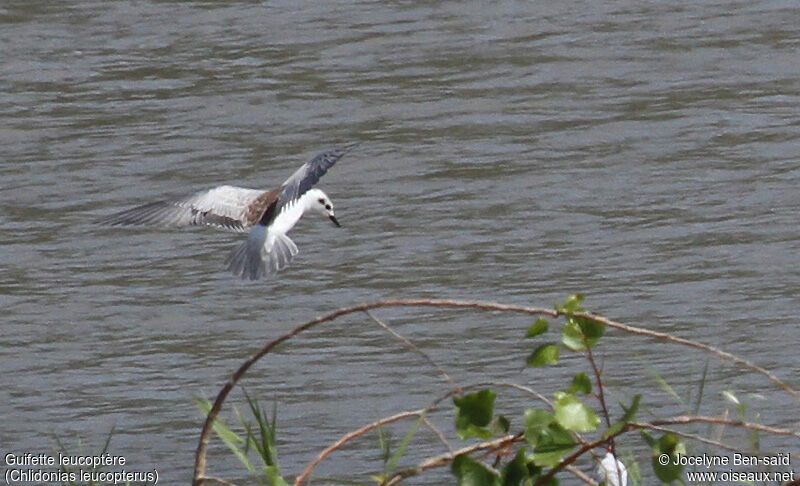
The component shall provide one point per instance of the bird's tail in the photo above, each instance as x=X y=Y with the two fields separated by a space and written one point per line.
x=261 y=254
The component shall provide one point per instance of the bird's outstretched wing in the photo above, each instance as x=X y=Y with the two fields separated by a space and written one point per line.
x=309 y=174
x=228 y=208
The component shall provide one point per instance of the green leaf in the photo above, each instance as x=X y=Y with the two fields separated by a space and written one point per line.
x=630 y=412
x=538 y=327
x=515 y=471
x=591 y=329
x=672 y=446
x=572 y=337
x=521 y=471
x=669 y=472
x=534 y=471
x=471 y=472
x=581 y=384
x=572 y=304
x=552 y=446
x=474 y=413
x=550 y=440
x=385 y=444
x=544 y=355
x=579 y=332
x=502 y=424
x=628 y=416
x=573 y=414
x=535 y=422
x=274 y=476
x=613 y=429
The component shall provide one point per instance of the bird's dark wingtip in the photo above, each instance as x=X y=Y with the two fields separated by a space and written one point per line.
x=350 y=146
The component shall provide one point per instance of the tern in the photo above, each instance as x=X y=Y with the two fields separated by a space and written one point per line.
x=267 y=215
x=612 y=471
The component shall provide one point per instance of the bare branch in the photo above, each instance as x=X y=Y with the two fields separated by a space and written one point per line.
x=205 y=434
x=447 y=459
x=725 y=356
x=528 y=390
x=352 y=435
x=581 y=475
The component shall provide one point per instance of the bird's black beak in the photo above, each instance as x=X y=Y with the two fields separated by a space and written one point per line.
x=335 y=221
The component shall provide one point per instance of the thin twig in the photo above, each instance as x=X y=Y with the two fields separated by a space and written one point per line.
x=412 y=347
x=725 y=356
x=352 y=435
x=446 y=459
x=528 y=390
x=711 y=442
x=600 y=394
x=612 y=447
x=438 y=433
x=692 y=419
x=582 y=475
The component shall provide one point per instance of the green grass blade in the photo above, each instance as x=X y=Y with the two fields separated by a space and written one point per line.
x=663 y=384
x=265 y=443
x=228 y=436
x=401 y=449
x=701 y=387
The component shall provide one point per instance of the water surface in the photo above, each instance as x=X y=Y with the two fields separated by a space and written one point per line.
x=644 y=154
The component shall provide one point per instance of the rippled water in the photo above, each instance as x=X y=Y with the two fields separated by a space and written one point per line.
x=644 y=154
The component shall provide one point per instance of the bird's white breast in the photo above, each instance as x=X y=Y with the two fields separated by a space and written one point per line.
x=291 y=214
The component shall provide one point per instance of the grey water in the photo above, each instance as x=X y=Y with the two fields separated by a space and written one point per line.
x=642 y=153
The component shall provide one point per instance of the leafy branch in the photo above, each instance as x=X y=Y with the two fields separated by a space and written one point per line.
x=550 y=440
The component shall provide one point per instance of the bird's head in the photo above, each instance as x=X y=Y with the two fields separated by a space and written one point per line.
x=321 y=203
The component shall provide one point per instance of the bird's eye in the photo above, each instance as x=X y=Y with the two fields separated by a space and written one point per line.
x=328 y=207
x=321 y=201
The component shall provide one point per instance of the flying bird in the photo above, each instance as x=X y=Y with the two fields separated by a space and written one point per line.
x=267 y=215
